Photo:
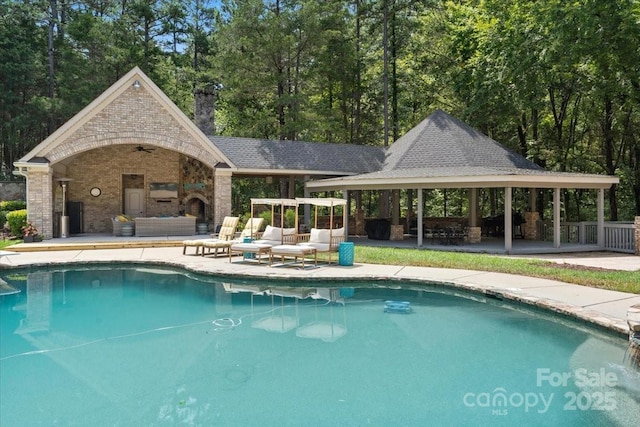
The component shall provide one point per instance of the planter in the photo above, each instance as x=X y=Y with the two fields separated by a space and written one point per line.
x=127 y=230
x=28 y=239
x=203 y=228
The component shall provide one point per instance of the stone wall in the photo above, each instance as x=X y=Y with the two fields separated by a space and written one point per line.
x=204 y=106
x=13 y=190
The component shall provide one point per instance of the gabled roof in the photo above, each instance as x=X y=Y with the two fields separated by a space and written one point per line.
x=443 y=152
x=251 y=155
x=143 y=83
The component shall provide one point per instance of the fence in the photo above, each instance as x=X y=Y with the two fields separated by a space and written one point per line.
x=618 y=236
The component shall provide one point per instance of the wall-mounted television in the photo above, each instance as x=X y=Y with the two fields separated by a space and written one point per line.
x=163 y=190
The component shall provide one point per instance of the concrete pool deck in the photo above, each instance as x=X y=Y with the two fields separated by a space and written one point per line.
x=603 y=308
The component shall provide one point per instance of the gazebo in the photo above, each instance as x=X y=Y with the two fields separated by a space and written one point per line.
x=442 y=152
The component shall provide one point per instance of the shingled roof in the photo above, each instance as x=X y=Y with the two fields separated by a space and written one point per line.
x=251 y=155
x=442 y=152
x=440 y=145
x=442 y=141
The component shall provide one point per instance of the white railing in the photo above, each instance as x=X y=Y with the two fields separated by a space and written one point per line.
x=618 y=236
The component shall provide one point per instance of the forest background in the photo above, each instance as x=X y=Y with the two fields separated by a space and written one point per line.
x=557 y=81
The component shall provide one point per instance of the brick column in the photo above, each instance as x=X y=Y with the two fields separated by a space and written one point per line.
x=222 y=195
x=530 y=226
x=636 y=231
x=40 y=201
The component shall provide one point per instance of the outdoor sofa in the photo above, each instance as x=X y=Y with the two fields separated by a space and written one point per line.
x=165 y=226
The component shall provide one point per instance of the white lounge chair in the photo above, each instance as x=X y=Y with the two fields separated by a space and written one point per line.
x=324 y=240
x=272 y=236
x=277 y=236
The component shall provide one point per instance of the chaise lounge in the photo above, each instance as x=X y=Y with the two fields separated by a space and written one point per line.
x=250 y=230
x=323 y=240
x=272 y=236
x=226 y=234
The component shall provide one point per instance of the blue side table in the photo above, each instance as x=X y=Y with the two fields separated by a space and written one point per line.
x=247 y=255
x=345 y=253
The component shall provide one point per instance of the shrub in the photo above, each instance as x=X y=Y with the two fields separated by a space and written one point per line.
x=12 y=205
x=290 y=218
x=7 y=206
x=266 y=215
x=17 y=220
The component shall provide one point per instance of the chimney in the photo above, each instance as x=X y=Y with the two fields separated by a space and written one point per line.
x=204 y=109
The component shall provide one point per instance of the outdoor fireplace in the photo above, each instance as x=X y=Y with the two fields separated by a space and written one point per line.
x=198 y=206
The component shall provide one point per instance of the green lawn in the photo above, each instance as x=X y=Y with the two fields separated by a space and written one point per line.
x=624 y=281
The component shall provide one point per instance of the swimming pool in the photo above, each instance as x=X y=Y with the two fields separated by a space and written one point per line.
x=109 y=345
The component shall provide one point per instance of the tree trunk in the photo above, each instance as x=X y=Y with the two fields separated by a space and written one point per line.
x=610 y=163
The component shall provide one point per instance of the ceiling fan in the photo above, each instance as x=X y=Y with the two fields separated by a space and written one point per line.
x=141 y=148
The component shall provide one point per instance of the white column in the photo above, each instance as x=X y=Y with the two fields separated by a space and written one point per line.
x=556 y=217
x=508 y=219
x=345 y=213
x=601 y=217
x=419 y=217
x=307 y=206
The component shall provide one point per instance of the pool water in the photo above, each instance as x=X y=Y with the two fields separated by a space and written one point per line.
x=120 y=346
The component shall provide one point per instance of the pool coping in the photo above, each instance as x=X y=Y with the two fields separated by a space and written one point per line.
x=538 y=293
